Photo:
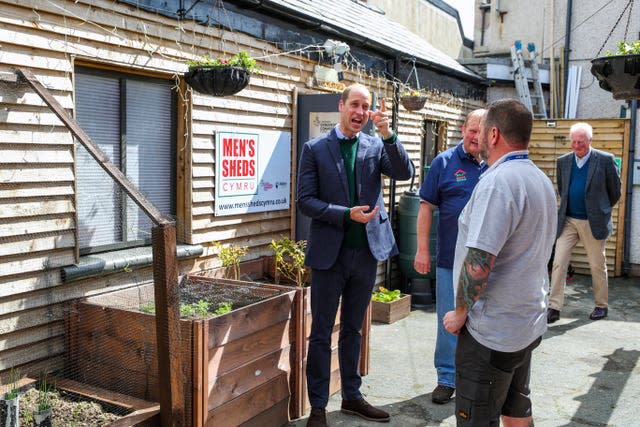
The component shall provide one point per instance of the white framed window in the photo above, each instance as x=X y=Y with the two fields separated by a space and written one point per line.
x=132 y=119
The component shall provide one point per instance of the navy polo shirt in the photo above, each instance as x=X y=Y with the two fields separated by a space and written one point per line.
x=448 y=185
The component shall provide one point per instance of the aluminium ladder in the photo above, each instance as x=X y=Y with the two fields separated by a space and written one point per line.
x=534 y=102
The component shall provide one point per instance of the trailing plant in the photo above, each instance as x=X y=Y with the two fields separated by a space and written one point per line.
x=385 y=295
x=624 y=48
x=230 y=256
x=289 y=260
x=14 y=377
x=241 y=59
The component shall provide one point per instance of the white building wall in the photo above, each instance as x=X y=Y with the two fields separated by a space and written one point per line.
x=544 y=23
x=431 y=23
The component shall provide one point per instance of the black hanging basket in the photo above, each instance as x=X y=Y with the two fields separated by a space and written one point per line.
x=619 y=75
x=413 y=103
x=218 y=81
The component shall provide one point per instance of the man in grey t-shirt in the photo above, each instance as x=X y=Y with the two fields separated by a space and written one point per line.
x=505 y=236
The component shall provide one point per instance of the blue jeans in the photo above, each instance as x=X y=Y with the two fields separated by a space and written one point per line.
x=445 y=354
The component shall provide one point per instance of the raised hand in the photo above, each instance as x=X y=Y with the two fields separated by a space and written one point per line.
x=380 y=119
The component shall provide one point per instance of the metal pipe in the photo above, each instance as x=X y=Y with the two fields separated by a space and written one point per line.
x=392 y=192
x=626 y=252
x=567 y=45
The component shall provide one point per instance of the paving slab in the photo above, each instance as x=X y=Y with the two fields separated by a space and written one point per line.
x=584 y=373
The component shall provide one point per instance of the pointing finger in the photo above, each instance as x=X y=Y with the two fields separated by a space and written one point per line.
x=383 y=105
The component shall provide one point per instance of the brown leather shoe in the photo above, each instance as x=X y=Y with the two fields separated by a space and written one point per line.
x=317 y=418
x=442 y=394
x=363 y=409
x=553 y=315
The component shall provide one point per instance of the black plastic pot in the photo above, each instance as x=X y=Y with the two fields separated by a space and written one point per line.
x=220 y=81
x=619 y=75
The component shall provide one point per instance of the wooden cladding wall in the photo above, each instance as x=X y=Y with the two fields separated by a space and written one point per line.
x=550 y=139
x=37 y=153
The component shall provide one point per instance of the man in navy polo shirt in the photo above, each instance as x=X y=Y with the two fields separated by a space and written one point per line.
x=448 y=187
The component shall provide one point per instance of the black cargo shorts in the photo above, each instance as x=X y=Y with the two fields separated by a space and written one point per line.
x=491 y=383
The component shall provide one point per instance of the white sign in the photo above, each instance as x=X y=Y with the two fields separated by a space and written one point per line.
x=321 y=123
x=253 y=171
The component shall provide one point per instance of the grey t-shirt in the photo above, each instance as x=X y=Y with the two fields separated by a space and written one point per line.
x=512 y=214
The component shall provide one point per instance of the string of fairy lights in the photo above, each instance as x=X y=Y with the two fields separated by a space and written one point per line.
x=201 y=35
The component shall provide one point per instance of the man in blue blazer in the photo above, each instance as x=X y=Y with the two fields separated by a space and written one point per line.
x=589 y=186
x=340 y=189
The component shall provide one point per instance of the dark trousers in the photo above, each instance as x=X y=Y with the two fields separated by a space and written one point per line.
x=352 y=277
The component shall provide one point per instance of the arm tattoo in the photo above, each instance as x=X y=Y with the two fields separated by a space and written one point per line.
x=473 y=277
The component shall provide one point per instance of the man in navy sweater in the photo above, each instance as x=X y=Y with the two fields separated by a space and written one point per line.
x=589 y=187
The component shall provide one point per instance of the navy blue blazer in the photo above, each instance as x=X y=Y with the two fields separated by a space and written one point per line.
x=601 y=193
x=323 y=194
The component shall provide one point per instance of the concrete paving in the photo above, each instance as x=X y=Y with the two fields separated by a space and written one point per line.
x=584 y=373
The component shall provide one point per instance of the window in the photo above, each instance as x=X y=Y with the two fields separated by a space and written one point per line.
x=132 y=120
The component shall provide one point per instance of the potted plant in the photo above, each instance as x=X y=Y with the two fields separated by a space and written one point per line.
x=388 y=306
x=10 y=403
x=619 y=72
x=413 y=99
x=221 y=76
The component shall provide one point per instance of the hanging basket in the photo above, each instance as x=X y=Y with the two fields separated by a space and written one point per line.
x=619 y=75
x=413 y=103
x=217 y=81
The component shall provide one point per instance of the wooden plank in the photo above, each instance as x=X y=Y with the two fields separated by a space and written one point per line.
x=34 y=225
x=200 y=377
x=37 y=262
x=26 y=208
x=17 y=191
x=239 y=410
x=167 y=303
x=253 y=374
x=101 y=395
x=11 y=136
x=273 y=416
x=15 y=174
x=233 y=354
x=123 y=182
x=35 y=154
x=20 y=322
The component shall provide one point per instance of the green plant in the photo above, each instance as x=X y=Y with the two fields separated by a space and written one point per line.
x=241 y=59
x=407 y=91
x=43 y=402
x=625 y=48
x=223 y=308
x=200 y=309
x=385 y=295
x=289 y=260
x=148 y=308
x=14 y=377
x=230 y=257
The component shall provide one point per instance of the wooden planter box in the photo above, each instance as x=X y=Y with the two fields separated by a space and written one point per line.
x=236 y=366
x=299 y=336
x=389 y=312
x=139 y=413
